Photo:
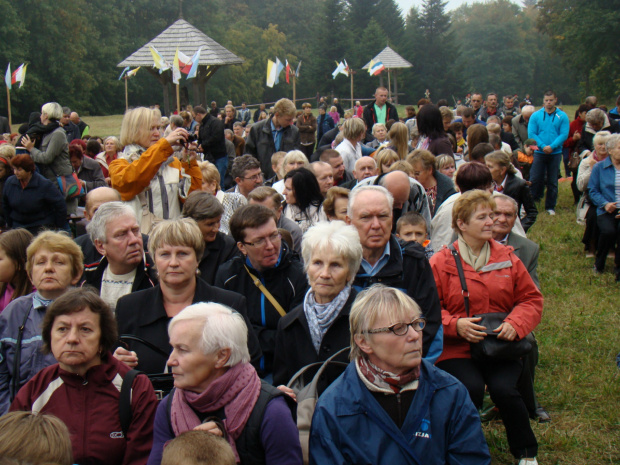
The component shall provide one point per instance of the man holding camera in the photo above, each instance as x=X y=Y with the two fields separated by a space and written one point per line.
x=211 y=138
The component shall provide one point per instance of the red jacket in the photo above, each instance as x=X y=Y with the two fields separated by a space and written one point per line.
x=90 y=409
x=506 y=288
x=575 y=126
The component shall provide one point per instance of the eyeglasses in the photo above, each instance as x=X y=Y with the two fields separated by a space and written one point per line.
x=256 y=177
x=400 y=329
x=273 y=238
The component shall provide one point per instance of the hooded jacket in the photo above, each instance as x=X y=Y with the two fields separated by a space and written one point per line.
x=548 y=130
x=442 y=426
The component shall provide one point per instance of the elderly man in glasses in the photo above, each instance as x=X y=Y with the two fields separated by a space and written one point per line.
x=267 y=273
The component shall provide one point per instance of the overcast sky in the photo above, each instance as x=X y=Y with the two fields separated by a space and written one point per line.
x=406 y=5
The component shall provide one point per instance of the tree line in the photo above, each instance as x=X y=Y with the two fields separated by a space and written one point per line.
x=73 y=48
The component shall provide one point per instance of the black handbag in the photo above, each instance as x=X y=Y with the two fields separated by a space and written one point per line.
x=491 y=347
x=162 y=382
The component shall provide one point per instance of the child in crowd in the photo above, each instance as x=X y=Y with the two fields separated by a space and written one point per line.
x=507 y=124
x=457 y=129
x=412 y=227
x=525 y=158
x=196 y=448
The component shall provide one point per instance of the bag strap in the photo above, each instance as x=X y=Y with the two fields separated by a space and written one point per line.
x=18 y=355
x=124 y=401
x=459 y=268
x=267 y=294
x=150 y=345
x=396 y=437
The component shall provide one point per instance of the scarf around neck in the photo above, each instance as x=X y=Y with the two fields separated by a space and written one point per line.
x=321 y=316
x=236 y=391
x=378 y=380
x=475 y=261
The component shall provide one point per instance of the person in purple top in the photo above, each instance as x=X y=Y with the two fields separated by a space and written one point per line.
x=217 y=390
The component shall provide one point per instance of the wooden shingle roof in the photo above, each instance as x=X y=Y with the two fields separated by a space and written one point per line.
x=188 y=39
x=390 y=59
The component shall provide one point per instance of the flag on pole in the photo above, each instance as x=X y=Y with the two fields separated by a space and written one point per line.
x=158 y=60
x=19 y=75
x=297 y=70
x=288 y=72
x=123 y=73
x=271 y=73
x=279 y=68
x=133 y=72
x=375 y=68
x=185 y=62
x=176 y=71
x=7 y=77
x=340 y=69
x=347 y=70
x=194 y=61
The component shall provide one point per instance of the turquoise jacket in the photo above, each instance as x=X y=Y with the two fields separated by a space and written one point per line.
x=548 y=130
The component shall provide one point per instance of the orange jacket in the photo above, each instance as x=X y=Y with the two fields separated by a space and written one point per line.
x=507 y=287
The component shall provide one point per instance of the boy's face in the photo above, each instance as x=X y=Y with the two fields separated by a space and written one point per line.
x=409 y=233
x=529 y=150
x=458 y=135
x=507 y=127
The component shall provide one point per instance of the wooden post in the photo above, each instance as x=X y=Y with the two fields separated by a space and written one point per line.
x=352 y=102
x=126 y=96
x=8 y=99
x=395 y=89
x=389 y=86
x=294 y=91
x=178 y=100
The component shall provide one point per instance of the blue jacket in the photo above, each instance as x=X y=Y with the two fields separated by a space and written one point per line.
x=32 y=359
x=441 y=427
x=602 y=185
x=548 y=130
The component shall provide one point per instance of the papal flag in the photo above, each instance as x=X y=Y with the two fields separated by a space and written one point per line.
x=176 y=70
x=271 y=73
x=133 y=72
x=279 y=68
x=158 y=60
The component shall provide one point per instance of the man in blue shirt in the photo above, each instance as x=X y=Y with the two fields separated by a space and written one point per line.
x=549 y=128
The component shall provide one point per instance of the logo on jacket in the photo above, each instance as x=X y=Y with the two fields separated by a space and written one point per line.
x=117 y=435
x=425 y=427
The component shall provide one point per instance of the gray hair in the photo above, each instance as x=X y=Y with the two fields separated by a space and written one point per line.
x=375 y=301
x=242 y=164
x=507 y=198
x=601 y=137
x=528 y=109
x=201 y=205
x=357 y=191
x=66 y=110
x=114 y=139
x=612 y=142
x=341 y=239
x=53 y=110
x=596 y=115
x=378 y=125
x=105 y=213
x=177 y=120
x=222 y=328
x=228 y=132
x=236 y=124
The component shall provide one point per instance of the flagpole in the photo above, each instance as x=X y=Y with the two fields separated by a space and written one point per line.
x=178 y=101
x=389 y=85
x=8 y=99
x=126 y=96
x=294 y=92
x=352 y=103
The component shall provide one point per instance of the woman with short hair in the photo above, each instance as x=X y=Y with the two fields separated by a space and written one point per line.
x=291 y=161
x=54 y=264
x=218 y=390
x=438 y=187
x=354 y=131
x=80 y=331
x=497 y=282
x=30 y=201
x=385 y=158
x=111 y=148
x=319 y=327
x=207 y=212
x=231 y=201
x=336 y=203
x=380 y=134
x=147 y=174
x=391 y=406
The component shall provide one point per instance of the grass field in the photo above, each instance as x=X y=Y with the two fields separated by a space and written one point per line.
x=577 y=379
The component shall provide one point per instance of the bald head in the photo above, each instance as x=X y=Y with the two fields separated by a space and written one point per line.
x=397 y=183
x=97 y=197
x=527 y=111
x=74 y=117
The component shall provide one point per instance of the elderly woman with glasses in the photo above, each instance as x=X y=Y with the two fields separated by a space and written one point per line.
x=391 y=406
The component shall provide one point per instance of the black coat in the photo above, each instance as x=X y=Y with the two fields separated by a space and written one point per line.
x=222 y=249
x=143 y=314
x=445 y=188
x=294 y=348
x=260 y=143
x=518 y=189
x=286 y=282
x=211 y=136
x=370 y=117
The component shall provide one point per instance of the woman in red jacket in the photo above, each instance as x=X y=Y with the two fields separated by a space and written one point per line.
x=571 y=143
x=497 y=281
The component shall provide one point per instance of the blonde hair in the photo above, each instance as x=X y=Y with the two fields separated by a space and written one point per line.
x=285 y=107
x=36 y=438
x=353 y=128
x=196 y=447
x=56 y=242
x=293 y=156
x=384 y=156
x=136 y=125
x=182 y=232
x=404 y=166
x=502 y=159
x=7 y=151
x=373 y=302
x=467 y=204
x=399 y=139
x=210 y=173
x=53 y=110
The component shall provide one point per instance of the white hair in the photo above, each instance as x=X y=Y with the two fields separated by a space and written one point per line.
x=106 y=213
x=341 y=239
x=358 y=190
x=53 y=110
x=222 y=328
x=612 y=142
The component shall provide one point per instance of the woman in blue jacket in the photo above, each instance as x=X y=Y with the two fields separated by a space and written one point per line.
x=390 y=406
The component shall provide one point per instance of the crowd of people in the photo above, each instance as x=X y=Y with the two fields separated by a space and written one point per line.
x=221 y=252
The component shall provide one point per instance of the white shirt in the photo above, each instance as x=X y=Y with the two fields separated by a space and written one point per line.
x=115 y=286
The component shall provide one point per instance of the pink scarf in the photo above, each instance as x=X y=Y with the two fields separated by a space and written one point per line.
x=384 y=379
x=236 y=391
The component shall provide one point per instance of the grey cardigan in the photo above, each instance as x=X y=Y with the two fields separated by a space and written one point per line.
x=53 y=157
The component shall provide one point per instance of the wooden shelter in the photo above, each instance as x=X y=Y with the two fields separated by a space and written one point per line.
x=188 y=39
x=392 y=62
